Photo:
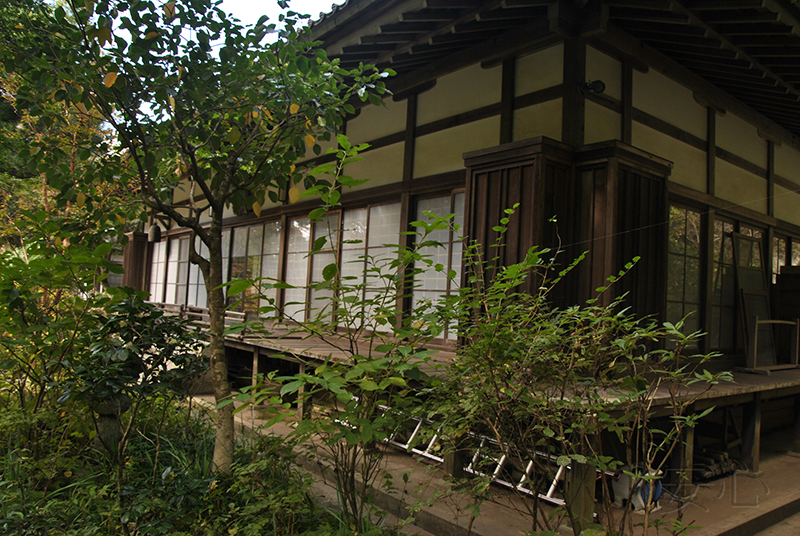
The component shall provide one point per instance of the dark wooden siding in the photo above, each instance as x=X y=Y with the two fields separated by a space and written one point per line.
x=493 y=191
x=641 y=232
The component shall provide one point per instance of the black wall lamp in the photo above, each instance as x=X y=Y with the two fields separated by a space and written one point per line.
x=592 y=86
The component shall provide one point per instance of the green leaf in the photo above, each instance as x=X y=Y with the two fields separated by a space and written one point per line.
x=368 y=385
x=330 y=271
x=238 y=286
x=303 y=64
x=292 y=387
x=563 y=460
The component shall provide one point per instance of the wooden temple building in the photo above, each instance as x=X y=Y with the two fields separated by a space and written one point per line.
x=663 y=129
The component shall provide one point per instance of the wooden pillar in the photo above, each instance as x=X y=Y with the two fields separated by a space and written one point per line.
x=135 y=261
x=507 y=100
x=627 y=102
x=687 y=460
x=711 y=151
x=410 y=139
x=574 y=104
x=304 y=404
x=580 y=493
x=796 y=442
x=771 y=180
x=751 y=434
x=254 y=377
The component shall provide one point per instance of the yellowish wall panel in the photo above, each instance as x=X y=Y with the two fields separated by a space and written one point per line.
x=787 y=163
x=381 y=166
x=542 y=119
x=378 y=121
x=786 y=203
x=461 y=91
x=600 y=66
x=741 y=187
x=661 y=97
x=441 y=151
x=181 y=193
x=540 y=70
x=741 y=138
x=601 y=123
x=689 y=163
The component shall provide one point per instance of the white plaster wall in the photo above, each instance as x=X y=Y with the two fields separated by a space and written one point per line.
x=741 y=138
x=381 y=166
x=543 y=119
x=664 y=98
x=786 y=203
x=787 y=163
x=741 y=187
x=441 y=151
x=601 y=123
x=378 y=121
x=689 y=163
x=540 y=70
x=600 y=66
x=461 y=91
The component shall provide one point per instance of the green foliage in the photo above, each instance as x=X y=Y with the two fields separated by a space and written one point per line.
x=199 y=106
x=170 y=486
x=375 y=361
x=561 y=382
x=135 y=352
x=218 y=111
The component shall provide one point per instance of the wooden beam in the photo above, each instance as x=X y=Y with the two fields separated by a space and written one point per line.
x=529 y=37
x=634 y=48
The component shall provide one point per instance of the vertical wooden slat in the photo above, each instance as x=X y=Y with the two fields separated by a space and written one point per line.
x=513 y=195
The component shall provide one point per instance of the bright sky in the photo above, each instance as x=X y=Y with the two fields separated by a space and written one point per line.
x=249 y=11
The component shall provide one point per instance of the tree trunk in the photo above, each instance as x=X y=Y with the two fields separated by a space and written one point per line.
x=223 y=445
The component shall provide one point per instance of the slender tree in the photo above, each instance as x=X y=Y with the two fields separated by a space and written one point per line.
x=197 y=103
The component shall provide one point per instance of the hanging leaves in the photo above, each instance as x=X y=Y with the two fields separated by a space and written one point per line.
x=169 y=10
x=109 y=79
x=294 y=194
